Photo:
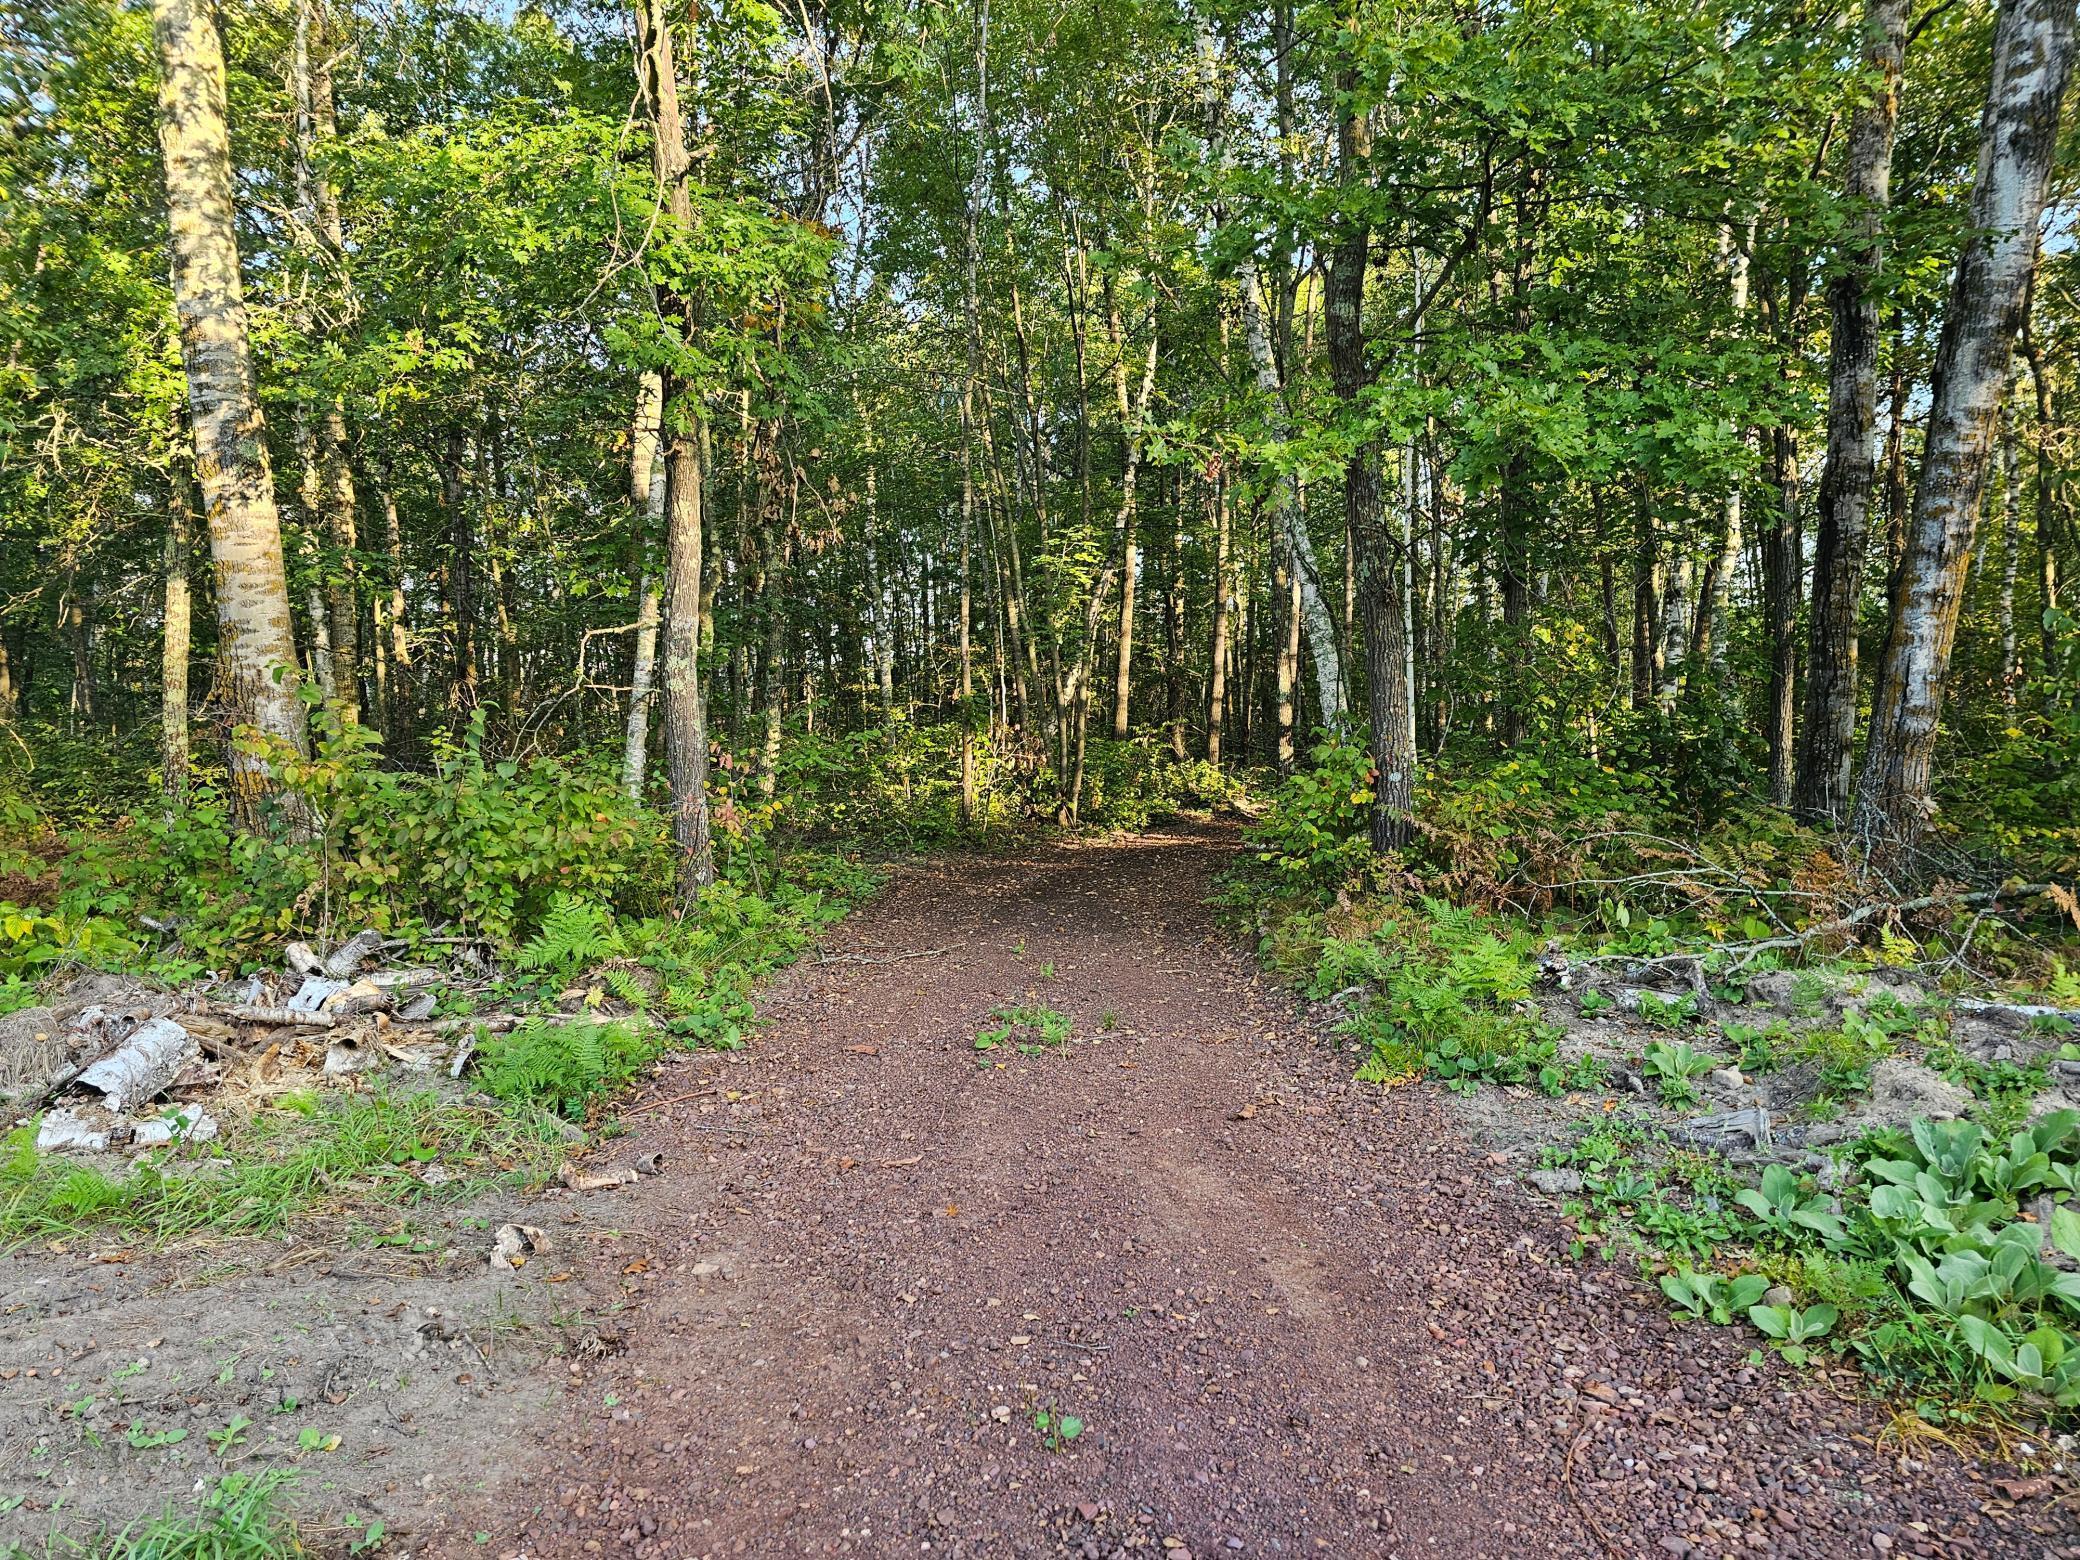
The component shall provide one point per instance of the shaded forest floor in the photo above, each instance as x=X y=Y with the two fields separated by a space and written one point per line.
x=1285 y=1313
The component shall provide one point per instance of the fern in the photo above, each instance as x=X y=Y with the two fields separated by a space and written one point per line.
x=560 y=1066
x=574 y=933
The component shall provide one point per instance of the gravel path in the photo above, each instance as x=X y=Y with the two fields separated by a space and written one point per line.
x=1295 y=1316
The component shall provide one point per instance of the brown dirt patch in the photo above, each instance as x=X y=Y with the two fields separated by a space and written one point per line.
x=1295 y=1315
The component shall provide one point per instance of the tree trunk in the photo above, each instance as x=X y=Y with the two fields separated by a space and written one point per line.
x=1782 y=564
x=971 y=221
x=177 y=637
x=686 y=736
x=2007 y=669
x=1645 y=570
x=1173 y=627
x=257 y=675
x=1287 y=520
x=1378 y=577
x=320 y=237
x=647 y=501
x=1217 y=661
x=1828 y=735
x=2032 y=61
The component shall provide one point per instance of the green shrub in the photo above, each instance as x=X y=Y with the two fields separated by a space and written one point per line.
x=1444 y=992
x=1316 y=831
x=562 y=1066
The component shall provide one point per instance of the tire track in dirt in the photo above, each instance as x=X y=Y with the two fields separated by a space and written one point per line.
x=1296 y=1317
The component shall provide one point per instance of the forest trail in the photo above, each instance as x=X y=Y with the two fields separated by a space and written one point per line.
x=1295 y=1315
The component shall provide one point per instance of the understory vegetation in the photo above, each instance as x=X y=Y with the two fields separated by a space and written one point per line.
x=1564 y=930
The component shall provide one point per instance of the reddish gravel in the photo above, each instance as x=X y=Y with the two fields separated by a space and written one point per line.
x=1295 y=1316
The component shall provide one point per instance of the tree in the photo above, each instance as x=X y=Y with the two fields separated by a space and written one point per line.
x=686 y=735
x=2018 y=138
x=257 y=675
x=1829 y=729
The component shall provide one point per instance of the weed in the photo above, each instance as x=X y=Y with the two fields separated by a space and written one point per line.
x=1708 y=1297
x=1674 y=1064
x=1056 y=1429
x=1048 y=1028
x=1792 y=1328
x=240 y=1517
x=223 y=1442
x=1758 y=1047
x=283 y=1165
x=1668 y=1013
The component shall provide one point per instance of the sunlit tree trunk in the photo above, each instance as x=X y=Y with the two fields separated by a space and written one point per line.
x=1285 y=584
x=1217 y=660
x=393 y=631
x=646 y=500
x=1826 y=739
x=2032 y=61
x=257 y=674
x=177 y=636
x=320 y=236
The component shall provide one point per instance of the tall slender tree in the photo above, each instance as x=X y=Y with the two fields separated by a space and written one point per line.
x=257 y=677
x=2018 y=140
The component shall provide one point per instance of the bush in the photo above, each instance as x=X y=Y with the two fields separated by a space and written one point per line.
x=480 y=846
x=1316 y=833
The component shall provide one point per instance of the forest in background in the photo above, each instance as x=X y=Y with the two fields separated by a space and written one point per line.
x=914 y=419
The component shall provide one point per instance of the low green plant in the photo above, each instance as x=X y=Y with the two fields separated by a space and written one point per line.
x=1758 y=1047
x=310 y=1152
x=1710 y=1297
x=1668 y=1013
x=1792 y=1329
x=239 y=1517
x=1056 y=1428
x=1673 y=1064
x=1047 y=1027
x=1783 y=1209
x=563 y=1065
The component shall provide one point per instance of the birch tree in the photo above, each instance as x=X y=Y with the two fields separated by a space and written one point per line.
x=2018 y=138
x=257 y=676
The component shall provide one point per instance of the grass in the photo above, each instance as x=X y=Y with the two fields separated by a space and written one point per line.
x=309 y=1153
x=240 y=1517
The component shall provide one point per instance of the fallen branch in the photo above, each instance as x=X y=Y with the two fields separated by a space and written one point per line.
x=1864 y=914
x=672 y=1099
x=249 y=1013
x=1692 y=961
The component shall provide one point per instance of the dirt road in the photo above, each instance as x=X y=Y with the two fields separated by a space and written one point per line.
x=1294 y=1316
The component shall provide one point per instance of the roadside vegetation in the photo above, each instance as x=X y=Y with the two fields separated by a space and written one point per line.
x=1804 y=1103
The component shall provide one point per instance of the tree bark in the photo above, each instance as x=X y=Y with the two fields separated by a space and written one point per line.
x=177 y=638
x=257 y=677
x=686 y=736
x=1827 y=737
x=1286 y=517
x=2032 y=62
x=1217 y=660
x=1378 y=575
x=647 y=501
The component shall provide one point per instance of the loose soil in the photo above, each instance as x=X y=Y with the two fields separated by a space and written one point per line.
x=1294 y=1314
